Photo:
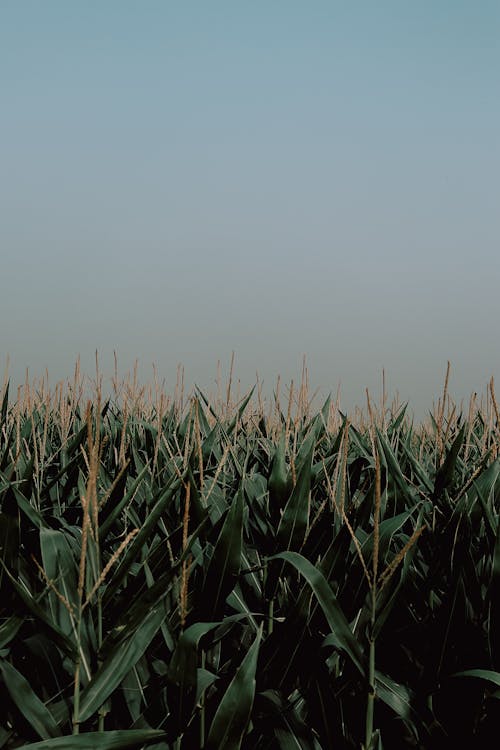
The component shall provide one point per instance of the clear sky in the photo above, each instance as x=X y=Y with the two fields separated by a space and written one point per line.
x=182 y=179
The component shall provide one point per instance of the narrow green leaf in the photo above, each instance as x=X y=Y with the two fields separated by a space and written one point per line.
x=393 y=467
x=225 y=563
x=9 y=629
x=485 y=483
x=420 y=472
x=294 y=522
x=241 y=409
x=444 y=475
x=183 y=672
x=114 y=740
x=29 y=511
x=5 y=403
x=60 y=567
x=481 y=674
x=336 y=619
x=28 y=702
x=204 y=680
x=233 y=714
x=396 y=696
x=113 y=514
x=118 y=662
x=147 y=529
x=278 y=484
x=44 y=619
x=387 y=529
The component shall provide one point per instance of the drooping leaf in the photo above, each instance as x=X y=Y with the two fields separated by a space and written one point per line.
x=341 y=632
x=398 y=697
x=120 y=739
x=28 y=702
x=487 y=675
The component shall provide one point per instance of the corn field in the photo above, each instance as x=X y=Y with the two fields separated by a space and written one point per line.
x=190 y=572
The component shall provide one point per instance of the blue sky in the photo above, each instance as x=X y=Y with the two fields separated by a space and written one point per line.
x=184 y=179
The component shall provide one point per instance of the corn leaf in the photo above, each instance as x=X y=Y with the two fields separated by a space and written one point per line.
x=233 y=714
x=339 y=626
x=120 y=661
x=28 y=703
x=113 y=740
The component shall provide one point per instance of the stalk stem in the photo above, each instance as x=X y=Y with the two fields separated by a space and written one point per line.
x=271 y=616
x=76 y=690
x=371 y=695
x=202 y=707
x=102 y=710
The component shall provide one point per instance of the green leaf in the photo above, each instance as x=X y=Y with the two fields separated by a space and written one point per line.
x=45 y=621
x=28 y=702
x=293 y=525
x=343 y=636
x=118 y=662
x=183 y=665
x=61 y=568
x=132 y=554
x=481 y=674
x=278 y=484
x=495 y=570
x=147 y=597
x=5 y=403
x=396 y=696
x=105 y=525
x=233 y=714
x=236 y=419
x=183 y=672
x=484 y=487
x=204 y=680
x=29 y=511
x=444 y=475
x=9 y=629
x=393 y=467
x=225 y=564
x=484 y=484
x=419 y=470
x=114 y=740
x=387 y=529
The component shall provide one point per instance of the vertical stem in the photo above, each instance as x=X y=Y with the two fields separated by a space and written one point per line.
x=270 y=610
x=371 y=696
x=271 y=616
x=202 y=707
x=76 y=690
x=370 y=702
x=102 y=710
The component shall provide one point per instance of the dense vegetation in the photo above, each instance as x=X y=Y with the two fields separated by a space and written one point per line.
x=217 y=575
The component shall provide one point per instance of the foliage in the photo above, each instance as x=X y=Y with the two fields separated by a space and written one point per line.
x=209 y=575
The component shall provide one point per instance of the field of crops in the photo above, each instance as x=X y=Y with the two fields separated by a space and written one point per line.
x=237 y=573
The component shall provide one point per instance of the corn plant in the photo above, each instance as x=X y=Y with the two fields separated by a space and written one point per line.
x=198 y=572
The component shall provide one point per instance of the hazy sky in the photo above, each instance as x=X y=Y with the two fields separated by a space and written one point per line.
x=183 y=179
